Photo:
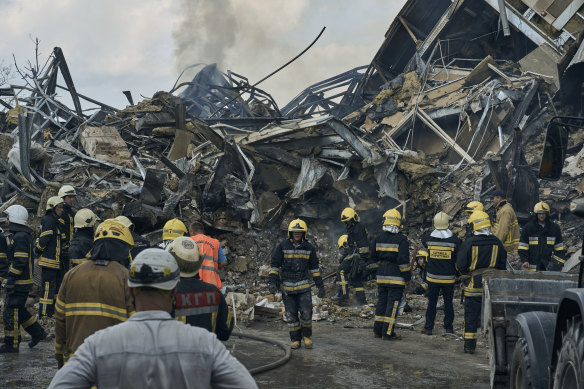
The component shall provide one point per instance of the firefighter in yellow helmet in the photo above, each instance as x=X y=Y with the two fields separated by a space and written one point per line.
x=469 y=209
x=94 y=295
x=49 y=245
x=344 y=270
x=358 y=246
x=140 y=243
x=391 y=249
x=481 y=251
x=541 y=246
x=82 y=242
x=442 y=247
x=172 y=229
x=420 y=265
x=294 y=262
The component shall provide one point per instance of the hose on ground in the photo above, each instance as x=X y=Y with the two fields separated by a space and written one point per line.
x=272 y=365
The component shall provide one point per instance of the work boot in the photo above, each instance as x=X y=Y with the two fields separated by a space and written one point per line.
x=376 y=335
x=34 y=341
x=339 y=297
x=360 y=298
x=426 y=331
x=307 y=342
x=469 y=351
x=7 y=349
x=393 y=336
x=294 y=345
x=449 y=330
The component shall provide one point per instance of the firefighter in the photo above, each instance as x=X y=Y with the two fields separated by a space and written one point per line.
x=198 y=303
x=140 y=243
x=442 y=246
x=506 y=227
x=294 y=260
x=67 y=193
x=49 y=245
x=82 y=242
x=420 y=266
x=481 y=251
x=469 y=209
x=391 y=249
x=19 y=282
x=344 y=269
x=212 y=253
x=358 y=243
x=5 y=238
x=172 y=229
x=541 y=246
x=94 y=295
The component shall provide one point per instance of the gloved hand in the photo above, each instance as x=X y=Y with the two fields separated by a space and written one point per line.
x=60 y=361
x=272 y=288
x=321 y=292
x=9 y=285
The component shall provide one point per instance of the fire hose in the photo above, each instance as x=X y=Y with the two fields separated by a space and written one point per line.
x=272 y=365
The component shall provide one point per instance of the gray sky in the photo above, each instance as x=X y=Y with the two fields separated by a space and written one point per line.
x=141 y=45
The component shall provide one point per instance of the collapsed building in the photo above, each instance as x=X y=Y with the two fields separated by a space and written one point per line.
x=447 y=110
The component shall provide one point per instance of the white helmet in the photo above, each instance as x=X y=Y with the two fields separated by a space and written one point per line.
x=154 y=268
x=17 y=214
x=85 y=218
x=186 y=253
x=125 y=221
x=67 y=190
x=52 y=202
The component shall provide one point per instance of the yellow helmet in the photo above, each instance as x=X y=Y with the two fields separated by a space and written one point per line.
x=541 y=207
x=173 y=229
x=342 y=242
x=392 y=218
x=474 y=206
x=297 y=225
x=349 y=214
x=479 y=220
x=52 y=202
x=113 y=229
x=84 y=218
x=125 y=221
x=422 y=253
x=441 y=221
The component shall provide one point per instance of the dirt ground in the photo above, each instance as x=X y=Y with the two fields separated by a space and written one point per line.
x=345 y=354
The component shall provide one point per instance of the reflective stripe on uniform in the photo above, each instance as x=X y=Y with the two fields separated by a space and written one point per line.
x=391 y=280
x=551 y=240
x=440 y=279
x=533 y=240
x=91 y=309
x=523 y=246
x=197 y=311
x=387 y=247
x=559 y=247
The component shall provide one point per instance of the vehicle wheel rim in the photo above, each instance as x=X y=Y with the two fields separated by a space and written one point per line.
x=569 y=377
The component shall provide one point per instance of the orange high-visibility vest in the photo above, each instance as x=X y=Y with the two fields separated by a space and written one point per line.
x=209 y=252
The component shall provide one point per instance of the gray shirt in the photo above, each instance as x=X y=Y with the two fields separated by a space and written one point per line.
x=152 y=350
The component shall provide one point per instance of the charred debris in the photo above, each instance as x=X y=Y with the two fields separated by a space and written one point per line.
x=454 y=103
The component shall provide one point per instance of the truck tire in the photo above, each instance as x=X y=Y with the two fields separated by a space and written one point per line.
x=521 y=377
x=569 y=369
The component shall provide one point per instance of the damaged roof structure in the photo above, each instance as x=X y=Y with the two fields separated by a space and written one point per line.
x=435 y=120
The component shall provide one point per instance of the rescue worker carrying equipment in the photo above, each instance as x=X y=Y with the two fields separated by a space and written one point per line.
x=82 y=242
x=198 y=303
x=50 y=246
x=94 y=295
x=391 y=249
x=541 y=246
x=358 y=243
x=294 y=260
x=442 y=246
x=19 y=258
x=481 y=251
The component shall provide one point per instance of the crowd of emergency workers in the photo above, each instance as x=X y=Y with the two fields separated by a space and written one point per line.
x=121 y=307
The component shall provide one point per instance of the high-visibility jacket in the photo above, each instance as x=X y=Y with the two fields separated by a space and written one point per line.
x=506 y=227
x=209 y=253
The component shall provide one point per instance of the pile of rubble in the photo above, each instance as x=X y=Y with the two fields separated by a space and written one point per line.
x=446 y=111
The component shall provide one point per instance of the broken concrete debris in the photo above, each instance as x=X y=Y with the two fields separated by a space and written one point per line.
x=445 y=111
